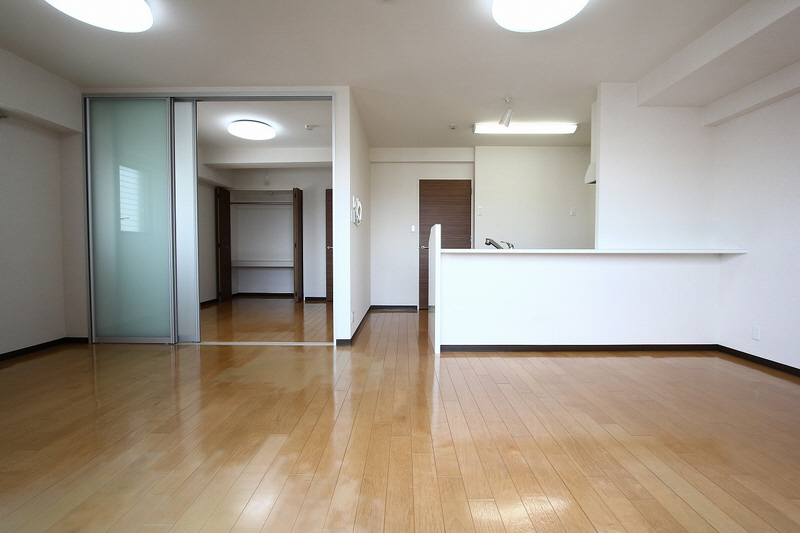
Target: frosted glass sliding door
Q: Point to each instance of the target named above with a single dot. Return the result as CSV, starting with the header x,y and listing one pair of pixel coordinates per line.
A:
x,y
130,210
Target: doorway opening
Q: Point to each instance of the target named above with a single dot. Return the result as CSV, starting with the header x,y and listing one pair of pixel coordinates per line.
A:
x,y
261,209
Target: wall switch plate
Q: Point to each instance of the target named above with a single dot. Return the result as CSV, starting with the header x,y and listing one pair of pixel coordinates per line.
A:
x,y
413,228
756,332
480,211
573,211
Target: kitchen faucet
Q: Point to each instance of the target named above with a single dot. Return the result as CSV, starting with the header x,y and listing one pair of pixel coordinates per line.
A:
x,y
492,242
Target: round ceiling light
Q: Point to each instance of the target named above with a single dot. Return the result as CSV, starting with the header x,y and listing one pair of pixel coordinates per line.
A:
x,y
534,15
127,16
252,130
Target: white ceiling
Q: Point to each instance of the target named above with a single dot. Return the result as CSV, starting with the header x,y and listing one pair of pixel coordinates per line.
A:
x,y
415,66
293,146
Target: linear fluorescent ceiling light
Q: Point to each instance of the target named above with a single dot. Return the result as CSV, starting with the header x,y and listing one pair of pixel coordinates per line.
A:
x,y
127,16
252,130
534,15
526,128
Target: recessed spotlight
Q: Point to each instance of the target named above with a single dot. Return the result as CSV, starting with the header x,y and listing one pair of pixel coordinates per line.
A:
x,y
534,15
127,16
526,128
251,130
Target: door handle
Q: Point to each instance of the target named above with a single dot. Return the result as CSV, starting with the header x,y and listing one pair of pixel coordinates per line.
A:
x,y
329,247
423,247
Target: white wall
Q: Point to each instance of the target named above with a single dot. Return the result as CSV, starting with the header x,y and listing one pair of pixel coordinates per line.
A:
x,y
220,177
342,290
73,236
39,96
43,273
31,264
263,233
207,237
665,181
524,195
313,182
654,182
394,209
360,268
757,180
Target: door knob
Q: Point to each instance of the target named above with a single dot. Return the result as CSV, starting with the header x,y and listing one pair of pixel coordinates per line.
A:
x,y
423,247
329,247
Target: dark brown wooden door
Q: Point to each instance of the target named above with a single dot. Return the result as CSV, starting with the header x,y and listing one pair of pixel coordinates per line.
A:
x,y
224,289
449,203
297,199
329,245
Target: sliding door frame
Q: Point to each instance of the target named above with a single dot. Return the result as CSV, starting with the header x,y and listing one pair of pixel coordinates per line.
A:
x,y
185,235
171,98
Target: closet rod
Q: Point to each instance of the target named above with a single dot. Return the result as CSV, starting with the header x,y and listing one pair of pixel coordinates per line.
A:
x,y
262,203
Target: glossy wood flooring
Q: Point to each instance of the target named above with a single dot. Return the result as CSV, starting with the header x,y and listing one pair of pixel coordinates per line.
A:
x,y
253,319
384,436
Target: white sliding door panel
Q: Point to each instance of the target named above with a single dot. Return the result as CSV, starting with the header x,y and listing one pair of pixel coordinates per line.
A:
x,y
186,242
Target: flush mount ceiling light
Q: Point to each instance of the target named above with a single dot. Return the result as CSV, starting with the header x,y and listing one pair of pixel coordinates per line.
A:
x,y
127,16
252,130
534,15
526,128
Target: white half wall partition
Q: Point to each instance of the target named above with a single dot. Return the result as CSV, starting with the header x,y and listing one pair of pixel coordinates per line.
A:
x,y
435,285
530,298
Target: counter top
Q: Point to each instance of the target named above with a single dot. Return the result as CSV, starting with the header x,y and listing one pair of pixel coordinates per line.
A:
x,y
585,251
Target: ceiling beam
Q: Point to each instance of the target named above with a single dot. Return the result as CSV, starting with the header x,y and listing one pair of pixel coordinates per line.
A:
x,y
773,88
751,19
266,157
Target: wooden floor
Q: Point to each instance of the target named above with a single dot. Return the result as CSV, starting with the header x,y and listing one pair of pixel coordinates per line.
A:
x,y
384,436
253,319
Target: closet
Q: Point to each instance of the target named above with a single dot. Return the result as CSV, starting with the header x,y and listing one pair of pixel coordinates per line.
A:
x,y
260,235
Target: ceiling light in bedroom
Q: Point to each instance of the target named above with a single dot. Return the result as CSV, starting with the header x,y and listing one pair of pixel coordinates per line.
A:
x,y
252,130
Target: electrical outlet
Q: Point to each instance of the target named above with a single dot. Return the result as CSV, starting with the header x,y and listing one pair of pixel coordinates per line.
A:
x,y
352,317
756,332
